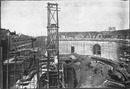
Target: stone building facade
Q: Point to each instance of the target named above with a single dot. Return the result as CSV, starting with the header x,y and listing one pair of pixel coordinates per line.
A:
x,y
104,44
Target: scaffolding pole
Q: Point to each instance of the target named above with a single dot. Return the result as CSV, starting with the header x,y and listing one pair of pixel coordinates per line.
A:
x,y
7,76
1,68
1,64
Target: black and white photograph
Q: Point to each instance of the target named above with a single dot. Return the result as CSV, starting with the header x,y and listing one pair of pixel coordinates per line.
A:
x,y
64,44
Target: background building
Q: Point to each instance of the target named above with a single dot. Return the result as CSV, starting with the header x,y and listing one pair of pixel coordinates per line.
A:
x,y
11,42
105,44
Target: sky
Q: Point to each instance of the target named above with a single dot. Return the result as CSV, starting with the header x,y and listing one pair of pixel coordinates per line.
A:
x,y
30,17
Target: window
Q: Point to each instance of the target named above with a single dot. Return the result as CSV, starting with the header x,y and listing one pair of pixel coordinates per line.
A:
x,y
72,49
118,36
126,37
96,49
14,40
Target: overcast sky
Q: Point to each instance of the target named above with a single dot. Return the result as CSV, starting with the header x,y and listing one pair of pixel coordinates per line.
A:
x,y
30,17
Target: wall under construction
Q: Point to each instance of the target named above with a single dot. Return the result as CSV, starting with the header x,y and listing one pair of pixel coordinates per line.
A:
x,y
108,49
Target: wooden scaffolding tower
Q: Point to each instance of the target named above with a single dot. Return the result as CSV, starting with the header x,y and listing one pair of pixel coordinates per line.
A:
x,y
53,45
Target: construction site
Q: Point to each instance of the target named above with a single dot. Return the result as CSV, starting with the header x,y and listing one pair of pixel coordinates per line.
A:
x,y
64,59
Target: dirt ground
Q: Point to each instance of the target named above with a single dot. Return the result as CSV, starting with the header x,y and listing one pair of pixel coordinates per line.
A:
x,y
89,74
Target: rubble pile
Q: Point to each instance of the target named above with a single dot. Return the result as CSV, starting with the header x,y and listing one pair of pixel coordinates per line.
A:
x,y
94,73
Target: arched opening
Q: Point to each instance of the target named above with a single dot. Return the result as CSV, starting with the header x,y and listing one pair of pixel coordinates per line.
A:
x,y
97,49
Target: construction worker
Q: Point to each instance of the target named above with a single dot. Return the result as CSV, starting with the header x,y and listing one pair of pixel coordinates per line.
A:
x,y
55,62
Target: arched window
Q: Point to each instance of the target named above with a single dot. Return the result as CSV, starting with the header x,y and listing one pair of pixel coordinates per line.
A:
x,y
97,49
